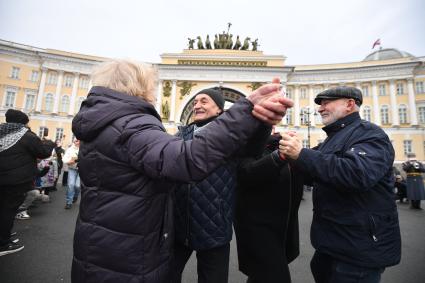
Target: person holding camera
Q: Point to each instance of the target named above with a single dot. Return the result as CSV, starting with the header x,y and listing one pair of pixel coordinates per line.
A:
x,y
71,159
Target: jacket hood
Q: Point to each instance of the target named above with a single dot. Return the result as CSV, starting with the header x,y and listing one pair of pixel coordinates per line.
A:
x,y
102,107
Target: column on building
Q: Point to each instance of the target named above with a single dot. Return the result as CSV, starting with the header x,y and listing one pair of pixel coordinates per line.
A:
x,y
393,101
58,92
311,104
41,89
73,94
376,116
159,98
173,101
284,122
297,106
412,103
359,87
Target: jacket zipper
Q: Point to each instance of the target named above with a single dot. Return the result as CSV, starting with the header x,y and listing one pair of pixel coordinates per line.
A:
x,y
375,239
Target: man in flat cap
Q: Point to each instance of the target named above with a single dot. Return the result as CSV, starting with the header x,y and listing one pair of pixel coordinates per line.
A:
x,y
19,150
204,210
355,228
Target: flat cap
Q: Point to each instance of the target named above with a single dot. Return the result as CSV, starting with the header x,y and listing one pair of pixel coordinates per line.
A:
x,y
16,116
340,92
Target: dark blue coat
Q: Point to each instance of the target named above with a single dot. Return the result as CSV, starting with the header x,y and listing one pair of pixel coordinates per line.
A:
x,y
355,216
129,166
204,210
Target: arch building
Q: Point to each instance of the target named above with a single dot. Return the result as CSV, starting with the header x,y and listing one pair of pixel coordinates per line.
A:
x,y
50,85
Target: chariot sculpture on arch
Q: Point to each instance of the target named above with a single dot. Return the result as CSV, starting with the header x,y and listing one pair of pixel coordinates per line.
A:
x,y
223,40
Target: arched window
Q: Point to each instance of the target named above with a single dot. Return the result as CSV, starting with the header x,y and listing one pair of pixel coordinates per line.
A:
x,y
384,115
48,102
65,103
366,113
402,114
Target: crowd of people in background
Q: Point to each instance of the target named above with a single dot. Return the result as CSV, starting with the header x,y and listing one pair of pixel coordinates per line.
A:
x,y
150,199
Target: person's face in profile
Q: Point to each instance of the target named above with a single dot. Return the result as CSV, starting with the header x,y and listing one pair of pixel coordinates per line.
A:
x,y
204,107
332,110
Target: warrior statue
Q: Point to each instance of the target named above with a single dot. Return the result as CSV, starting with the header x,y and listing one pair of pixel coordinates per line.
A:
x,y
229,42
237,44
216,42
200,44
246,44
191,41
254,44
208,42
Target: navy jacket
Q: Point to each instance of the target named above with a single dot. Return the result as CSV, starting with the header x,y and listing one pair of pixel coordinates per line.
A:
x,y
355,216
128,166
204,210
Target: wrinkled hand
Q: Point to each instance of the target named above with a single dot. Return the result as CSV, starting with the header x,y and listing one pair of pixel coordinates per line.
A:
x,y
269,105
290,146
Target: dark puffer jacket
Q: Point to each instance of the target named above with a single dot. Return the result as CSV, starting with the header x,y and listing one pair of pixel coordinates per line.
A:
x,y
204,210
19,150
128,166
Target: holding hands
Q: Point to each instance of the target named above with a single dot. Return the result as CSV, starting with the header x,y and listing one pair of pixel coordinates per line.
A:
x,y
290,146
269,104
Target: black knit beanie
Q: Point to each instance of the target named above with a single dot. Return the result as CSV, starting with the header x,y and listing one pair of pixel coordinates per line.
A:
x,y
216,95
16,116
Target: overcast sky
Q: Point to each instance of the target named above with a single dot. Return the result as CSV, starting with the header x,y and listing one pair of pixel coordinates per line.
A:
x,y
306,32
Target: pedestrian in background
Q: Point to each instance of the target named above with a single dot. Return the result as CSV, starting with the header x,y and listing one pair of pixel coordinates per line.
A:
x,y
414,181
355,228
73,183
19,150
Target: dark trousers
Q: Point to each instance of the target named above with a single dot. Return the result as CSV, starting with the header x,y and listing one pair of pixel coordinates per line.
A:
x,y
10,200
326,269
213,264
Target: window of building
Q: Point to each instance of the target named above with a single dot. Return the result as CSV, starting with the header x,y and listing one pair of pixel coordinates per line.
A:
x,y
400,89
316,91
382,90
34,76
29,101
366,113
289,93
84,82
288,116
59,134
305,143
14,73
10,96
407,146
41,132
304,116
52,78
365,90
65,103
303,93
402,114
420,87
421,114
68,81
384,115
48,102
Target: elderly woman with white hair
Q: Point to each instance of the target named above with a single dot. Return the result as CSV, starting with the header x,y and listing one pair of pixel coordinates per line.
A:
x,y
129,166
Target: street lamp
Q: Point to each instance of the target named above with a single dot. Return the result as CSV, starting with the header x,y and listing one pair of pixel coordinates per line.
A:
x,y
306,114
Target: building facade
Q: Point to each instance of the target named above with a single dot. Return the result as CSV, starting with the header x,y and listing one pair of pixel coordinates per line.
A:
x,y
50,86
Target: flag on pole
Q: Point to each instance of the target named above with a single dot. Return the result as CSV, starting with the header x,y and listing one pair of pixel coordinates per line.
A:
x,y
377,42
